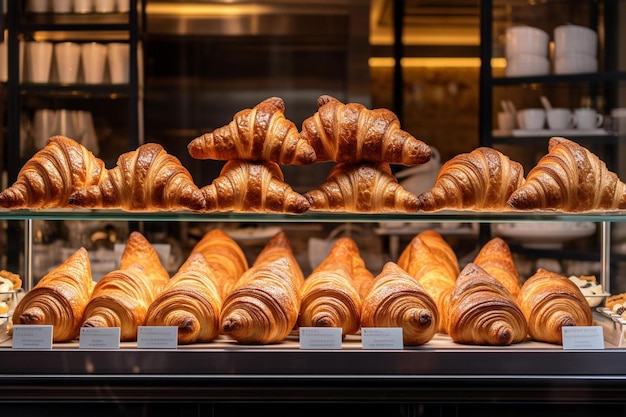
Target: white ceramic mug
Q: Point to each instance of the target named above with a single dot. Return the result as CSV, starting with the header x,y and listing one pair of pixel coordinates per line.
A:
x,y
61,6
506,121
39,58
587,118
94,62
67,56
123,6
119,58
104,6
534,119
38,6
45,122
83,6
559,118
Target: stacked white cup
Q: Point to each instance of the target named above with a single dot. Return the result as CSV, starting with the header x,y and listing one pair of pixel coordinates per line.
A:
x,y
526,51
575,50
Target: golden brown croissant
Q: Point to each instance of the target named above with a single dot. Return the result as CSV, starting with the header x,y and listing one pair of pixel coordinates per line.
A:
x,y
549,302
572,179
397,300
352,133
190,301
59,298
146,179
496,259
263,308
482,179
362,188
225,258
483,312
253,186
138,250
329,296
121,299
49,178
260,133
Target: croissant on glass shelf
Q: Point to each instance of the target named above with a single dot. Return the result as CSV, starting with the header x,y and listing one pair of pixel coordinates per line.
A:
x,y
146,179
549,302
352,133
260,133
59,298
483,312
482,179
264,305
191,302
254,186
139,250
569,178
48,179
365,188
496,259
396,299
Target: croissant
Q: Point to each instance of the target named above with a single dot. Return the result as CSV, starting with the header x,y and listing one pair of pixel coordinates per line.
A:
x,y
190,301
224,257
329,295
549,302
49,178
496,259
482,179
138,250
121,299
146,179
253,186
572,179
263,307
397,300
483,312
362,188
59,298
352,133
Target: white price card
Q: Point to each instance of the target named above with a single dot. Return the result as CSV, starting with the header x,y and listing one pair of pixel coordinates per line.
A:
x,y
99,338
320,338
157,337
32,336
382,338
583,337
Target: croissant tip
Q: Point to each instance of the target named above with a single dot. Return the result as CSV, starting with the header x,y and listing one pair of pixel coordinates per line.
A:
x,y
230,325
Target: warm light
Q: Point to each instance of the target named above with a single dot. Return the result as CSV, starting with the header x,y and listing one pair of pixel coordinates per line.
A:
x,y
417,62
199,10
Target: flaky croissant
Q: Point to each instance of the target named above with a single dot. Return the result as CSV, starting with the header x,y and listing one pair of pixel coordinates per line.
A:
x,y
59,298
569,178
256,186
483,312
121,299
263,307
190,301
482,179
549,302
329,295
352,133
367,188
496,259
225,258
139,250
146,179
260,133
49,178
397,300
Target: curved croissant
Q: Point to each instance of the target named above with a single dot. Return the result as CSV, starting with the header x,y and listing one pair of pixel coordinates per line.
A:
x,y
49,178
138,250
572,179
190,301
482,179
352,133
253,186
329,296
483,312
397,300
263,307
496,259
146,179
225,258
121,299
367,188
59,298
549,302
260,133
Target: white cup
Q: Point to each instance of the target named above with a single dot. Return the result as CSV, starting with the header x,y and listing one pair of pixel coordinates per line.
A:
x,y
44,125
65,124
119,62
67,56
104,6
559,118
61,6
506,121
83,6
39,57
534,119
587,118
94,59
38,6
123,6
